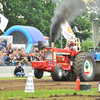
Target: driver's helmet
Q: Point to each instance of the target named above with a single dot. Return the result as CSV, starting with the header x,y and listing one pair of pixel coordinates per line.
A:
x,y
71,43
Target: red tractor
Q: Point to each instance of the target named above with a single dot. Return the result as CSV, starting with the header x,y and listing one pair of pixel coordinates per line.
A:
x,y
62,62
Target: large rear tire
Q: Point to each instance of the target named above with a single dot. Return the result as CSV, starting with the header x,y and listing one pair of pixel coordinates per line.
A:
x,y
57,73
84,66
38,74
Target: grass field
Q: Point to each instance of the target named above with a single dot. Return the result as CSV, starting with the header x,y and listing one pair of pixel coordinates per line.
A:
x,y
44,93
17,95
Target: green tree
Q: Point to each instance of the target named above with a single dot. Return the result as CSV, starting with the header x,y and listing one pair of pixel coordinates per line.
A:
x,y
58,42
36,13
84,26
86,44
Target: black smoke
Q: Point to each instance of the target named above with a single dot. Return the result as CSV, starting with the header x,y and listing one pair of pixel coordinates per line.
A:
x,y
66,10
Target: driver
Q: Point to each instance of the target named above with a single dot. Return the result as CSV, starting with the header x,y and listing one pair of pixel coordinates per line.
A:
x,y
73,49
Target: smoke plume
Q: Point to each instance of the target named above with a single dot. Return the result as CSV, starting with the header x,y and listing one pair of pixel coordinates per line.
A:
x,y
66,10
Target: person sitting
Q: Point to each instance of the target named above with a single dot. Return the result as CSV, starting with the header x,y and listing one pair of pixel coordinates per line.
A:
x,y
24,61
22,55
1,45
42,56
10,51
14,55
33,57
7,50
9,46
2,60
4,50
13,62
18,59
40,53
37,57
21,50
9,59
5,56
29,57
19,71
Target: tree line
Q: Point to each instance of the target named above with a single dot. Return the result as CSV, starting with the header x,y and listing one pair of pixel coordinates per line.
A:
x,y
38,13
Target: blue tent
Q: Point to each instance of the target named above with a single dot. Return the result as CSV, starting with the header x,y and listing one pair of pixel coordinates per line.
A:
x,y
25,35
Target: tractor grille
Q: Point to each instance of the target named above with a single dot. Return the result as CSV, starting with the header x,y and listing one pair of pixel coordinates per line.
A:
x,y
48,54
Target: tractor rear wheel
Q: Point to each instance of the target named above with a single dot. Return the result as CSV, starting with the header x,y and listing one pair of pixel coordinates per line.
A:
x,y
57,73
38,74
84,66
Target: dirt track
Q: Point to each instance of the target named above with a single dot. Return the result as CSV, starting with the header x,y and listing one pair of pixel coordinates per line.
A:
x,y
19,84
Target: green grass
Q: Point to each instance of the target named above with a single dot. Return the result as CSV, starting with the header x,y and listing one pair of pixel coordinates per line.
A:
x,y
7,78
44,93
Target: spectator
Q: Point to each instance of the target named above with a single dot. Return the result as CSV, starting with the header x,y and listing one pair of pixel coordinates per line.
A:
x,y
11,57
42,56
7,50
40,53
19,71
29,57
9,60
5,57
33,57
37,57
1,45
3,54
17,51
9,46
2,60
14,55
25,54
24,61
4,50
21,50
10,51
18,58
13,61
22,55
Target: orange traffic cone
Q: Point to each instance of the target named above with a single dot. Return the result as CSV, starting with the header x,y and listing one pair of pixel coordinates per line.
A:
x,y
77,84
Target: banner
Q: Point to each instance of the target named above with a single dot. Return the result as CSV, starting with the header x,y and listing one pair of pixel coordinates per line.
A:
x,y
67,31
3,22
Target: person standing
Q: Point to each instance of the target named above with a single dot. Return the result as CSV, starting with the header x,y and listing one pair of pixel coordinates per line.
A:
x,y
19,71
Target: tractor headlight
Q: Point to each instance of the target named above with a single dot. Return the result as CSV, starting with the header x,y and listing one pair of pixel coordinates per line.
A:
x,y
45,49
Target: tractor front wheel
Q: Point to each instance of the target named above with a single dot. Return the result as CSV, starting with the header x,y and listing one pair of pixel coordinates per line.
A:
x,y
57,73
38,73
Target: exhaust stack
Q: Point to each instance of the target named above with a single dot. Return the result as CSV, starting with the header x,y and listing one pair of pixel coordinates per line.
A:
x,y
52,44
